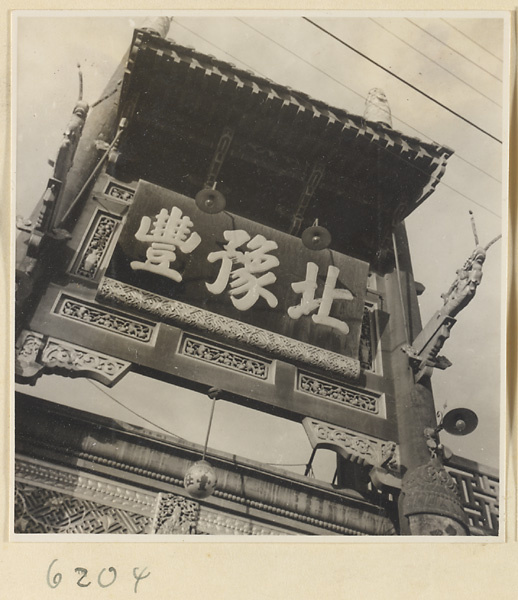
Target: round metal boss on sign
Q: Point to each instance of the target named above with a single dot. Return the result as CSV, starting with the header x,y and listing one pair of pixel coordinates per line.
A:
x,y
200,480
210,201
316,238
460,421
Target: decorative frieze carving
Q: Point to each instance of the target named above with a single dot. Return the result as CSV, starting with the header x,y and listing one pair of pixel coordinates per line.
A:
x,y
178,313
211,522
76,309
176,515
41,510
120,192
358,399
352,445
85,486
36,352
238,498
95,245
223,357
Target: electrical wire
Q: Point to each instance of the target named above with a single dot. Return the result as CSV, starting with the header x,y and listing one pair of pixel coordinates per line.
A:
x,y
434,61
453,49
410,85
360,95
134,412
176,22
471,39
394,116
304,60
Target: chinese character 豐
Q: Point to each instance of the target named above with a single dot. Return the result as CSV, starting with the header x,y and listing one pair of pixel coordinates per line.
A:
x,y
309,303
166,234
245,286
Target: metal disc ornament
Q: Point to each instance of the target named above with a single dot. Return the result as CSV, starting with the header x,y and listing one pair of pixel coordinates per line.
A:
x,y
316,237
210,201
460,421
200,480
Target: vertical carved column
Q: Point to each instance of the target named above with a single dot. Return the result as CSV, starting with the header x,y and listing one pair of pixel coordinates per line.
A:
x,y
428,504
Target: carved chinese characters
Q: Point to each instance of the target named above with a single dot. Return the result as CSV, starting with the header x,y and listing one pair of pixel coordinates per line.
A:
x,y
245,286
166,234
309,303
239,269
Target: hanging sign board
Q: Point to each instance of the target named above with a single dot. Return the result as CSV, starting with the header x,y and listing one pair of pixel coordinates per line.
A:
x,y
241,270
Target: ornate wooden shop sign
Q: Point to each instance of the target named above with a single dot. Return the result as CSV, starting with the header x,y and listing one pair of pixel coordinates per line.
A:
x,y
234,279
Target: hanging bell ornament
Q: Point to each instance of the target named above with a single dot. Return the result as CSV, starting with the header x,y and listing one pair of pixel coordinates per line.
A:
x,y
210,201
200,480
316,238
460,421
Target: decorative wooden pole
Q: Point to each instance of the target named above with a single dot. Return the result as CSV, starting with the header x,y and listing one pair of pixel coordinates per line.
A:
x,y
429,502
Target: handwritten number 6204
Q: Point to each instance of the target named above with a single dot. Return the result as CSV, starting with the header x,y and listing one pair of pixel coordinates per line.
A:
x,y
103,580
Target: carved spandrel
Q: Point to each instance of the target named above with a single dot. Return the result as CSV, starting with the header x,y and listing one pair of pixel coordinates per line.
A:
x,y
37,354
352,445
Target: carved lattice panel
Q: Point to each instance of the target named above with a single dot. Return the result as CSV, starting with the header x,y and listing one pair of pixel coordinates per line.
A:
x,y
176,515
120,192
363,400
366,341
479,493
97,316
96,244
40,510
225,357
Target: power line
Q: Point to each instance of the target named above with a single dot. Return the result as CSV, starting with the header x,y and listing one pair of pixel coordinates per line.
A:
x,y
176,22
421,133
132,411
471,39
415,88
475,167
453,49
439,180
360,95
434,61
382,147
304,60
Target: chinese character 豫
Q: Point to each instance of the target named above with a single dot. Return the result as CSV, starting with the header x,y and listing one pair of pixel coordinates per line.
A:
x,y
245,286
309,303
166,234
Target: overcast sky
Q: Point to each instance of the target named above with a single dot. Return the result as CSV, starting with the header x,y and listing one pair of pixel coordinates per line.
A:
x,y
458,62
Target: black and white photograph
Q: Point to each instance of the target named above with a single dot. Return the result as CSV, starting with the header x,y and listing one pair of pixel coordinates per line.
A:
x,y
260,275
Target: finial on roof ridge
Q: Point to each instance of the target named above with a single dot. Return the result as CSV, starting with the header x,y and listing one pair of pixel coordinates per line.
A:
x,y
377,108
